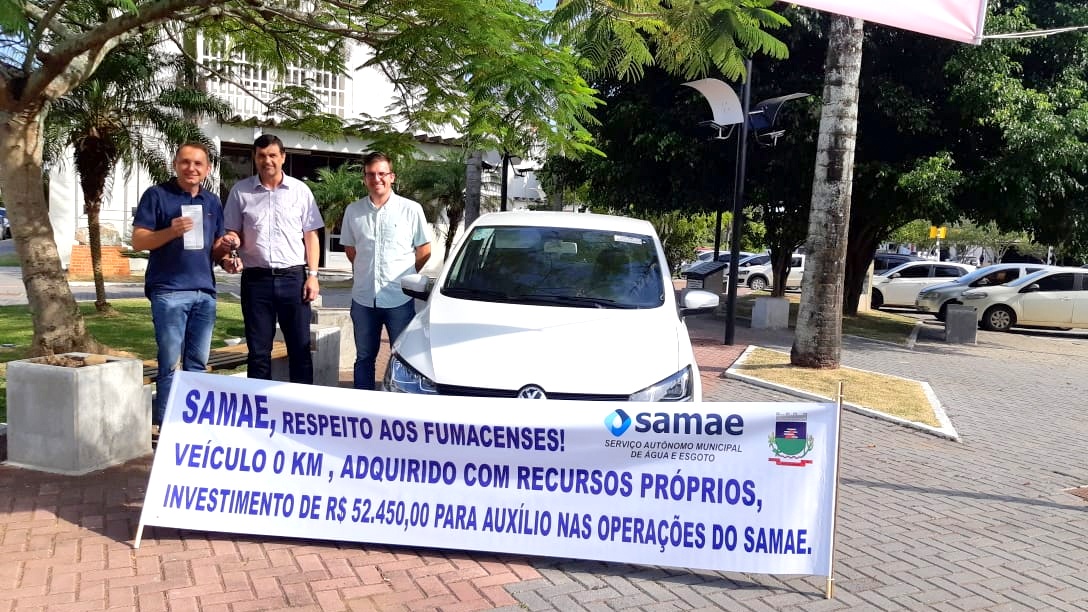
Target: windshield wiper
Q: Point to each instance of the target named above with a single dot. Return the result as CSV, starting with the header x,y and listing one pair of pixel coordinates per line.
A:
x,y
475,294
577,301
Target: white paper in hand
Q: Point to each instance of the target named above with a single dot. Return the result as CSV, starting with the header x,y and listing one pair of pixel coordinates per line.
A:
x,y
194,238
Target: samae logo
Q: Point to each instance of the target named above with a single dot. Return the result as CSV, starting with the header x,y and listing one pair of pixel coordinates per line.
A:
x,y
618,422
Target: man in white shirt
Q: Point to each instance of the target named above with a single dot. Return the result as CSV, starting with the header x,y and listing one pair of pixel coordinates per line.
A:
x,y
385,239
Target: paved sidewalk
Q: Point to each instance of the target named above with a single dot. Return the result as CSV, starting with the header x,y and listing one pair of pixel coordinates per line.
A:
x,y
923,523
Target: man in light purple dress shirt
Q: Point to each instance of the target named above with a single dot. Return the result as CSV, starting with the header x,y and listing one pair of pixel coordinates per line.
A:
x,y
276,219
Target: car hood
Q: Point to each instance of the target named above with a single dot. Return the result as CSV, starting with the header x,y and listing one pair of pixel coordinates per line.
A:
x,y
563,350
946,288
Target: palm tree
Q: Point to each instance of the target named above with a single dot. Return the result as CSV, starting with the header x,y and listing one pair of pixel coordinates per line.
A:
x,y
439,185
818,338
335,188
126,113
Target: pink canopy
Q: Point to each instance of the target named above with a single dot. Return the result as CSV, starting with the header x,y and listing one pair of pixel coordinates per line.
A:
x,y
956,19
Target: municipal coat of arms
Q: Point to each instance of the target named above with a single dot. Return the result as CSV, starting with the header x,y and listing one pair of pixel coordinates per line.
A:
x,y
790,441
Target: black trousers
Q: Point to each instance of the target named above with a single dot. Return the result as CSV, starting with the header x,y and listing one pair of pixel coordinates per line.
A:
x,y
268,295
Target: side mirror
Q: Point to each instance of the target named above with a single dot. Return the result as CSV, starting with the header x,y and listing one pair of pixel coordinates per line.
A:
x,y
896,275
1031,288
417,286
697,301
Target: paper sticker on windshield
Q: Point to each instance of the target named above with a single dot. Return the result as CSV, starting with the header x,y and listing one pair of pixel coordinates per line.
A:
x,y
483,233
627,239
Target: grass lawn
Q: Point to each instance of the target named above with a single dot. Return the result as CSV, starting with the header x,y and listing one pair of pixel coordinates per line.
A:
x,y
129,331
889,394
875,324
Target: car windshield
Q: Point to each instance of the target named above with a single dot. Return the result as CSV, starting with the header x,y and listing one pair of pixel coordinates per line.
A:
x,y
971,277
557,266
1027,280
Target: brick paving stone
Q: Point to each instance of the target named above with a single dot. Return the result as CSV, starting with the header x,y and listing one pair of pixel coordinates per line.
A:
x,y
924,524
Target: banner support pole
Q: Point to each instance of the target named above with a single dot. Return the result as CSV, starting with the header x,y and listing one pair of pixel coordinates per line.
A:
x,y
830,585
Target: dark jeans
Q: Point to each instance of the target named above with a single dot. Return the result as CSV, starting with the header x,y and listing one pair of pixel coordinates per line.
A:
x,y
269,295
367,322
183,330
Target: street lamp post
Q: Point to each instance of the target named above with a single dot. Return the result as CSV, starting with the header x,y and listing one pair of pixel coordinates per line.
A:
x,y
727,111
738,207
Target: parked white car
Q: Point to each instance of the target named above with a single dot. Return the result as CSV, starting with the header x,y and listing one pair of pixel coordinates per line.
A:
x,y
761,276
1053,297
936,298
548,305
900,285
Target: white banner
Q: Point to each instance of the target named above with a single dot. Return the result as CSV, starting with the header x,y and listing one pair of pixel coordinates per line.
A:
x,y
726,486
960,20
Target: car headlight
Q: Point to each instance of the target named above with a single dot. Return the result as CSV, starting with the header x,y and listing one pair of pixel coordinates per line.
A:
x,y
679,387
403,378
974,296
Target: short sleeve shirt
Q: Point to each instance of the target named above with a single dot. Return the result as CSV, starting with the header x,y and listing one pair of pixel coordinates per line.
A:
x,y
172,267
385,239
272,222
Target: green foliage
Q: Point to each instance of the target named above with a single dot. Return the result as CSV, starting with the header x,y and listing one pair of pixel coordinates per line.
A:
x,y
335,188
680,233
126,114
990,237
689,38
439,186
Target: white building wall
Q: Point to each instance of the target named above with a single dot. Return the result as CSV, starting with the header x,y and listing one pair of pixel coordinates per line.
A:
x,y
365,91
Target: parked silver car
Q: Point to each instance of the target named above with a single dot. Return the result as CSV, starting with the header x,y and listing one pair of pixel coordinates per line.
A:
x,y
1052,297
936,298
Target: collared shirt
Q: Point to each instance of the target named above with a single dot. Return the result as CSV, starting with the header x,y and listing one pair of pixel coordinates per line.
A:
x,y
172,267
272,222
385,240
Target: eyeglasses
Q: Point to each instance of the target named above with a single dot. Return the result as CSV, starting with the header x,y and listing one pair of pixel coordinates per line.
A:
x,y
371,176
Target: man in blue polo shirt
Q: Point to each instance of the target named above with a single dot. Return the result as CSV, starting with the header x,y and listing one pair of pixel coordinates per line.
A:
x,y
181,224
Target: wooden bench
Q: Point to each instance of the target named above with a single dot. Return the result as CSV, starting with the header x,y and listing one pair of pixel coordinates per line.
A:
x,y
225,358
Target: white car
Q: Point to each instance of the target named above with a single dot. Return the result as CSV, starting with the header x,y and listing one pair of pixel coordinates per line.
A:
x,y
900,285
1053,297
759,276
936,298
549,305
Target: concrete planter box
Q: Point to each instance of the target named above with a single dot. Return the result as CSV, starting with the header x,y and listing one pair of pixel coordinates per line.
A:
x,y
74,420
771,313
324,351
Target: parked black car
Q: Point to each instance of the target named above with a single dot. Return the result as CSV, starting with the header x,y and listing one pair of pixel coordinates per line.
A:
x,y
887,261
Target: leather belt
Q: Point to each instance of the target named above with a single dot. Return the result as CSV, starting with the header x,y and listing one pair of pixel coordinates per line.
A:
x,y
261,272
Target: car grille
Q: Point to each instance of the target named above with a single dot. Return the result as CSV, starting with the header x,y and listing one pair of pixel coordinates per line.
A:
x,y
483,392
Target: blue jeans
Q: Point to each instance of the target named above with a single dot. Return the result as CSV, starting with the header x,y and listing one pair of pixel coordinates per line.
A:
x,y
183,330
268,296
367,322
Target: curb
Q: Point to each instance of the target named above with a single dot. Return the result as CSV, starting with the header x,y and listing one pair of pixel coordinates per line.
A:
x,y
946,430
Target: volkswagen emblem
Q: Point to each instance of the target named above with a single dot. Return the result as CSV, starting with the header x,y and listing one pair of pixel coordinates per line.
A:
x,y
532,392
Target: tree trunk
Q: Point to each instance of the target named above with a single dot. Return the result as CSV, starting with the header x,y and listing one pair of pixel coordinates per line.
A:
x,y
94,236
818,339
58,324
863,242
454,214
474,170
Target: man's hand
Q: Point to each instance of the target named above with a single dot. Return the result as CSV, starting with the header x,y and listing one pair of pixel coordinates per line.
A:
x,y
180,225
232,263
311,289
